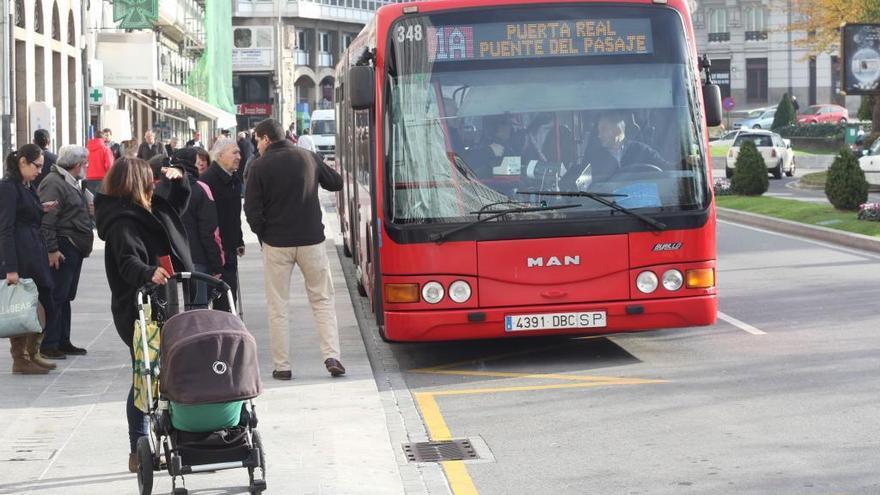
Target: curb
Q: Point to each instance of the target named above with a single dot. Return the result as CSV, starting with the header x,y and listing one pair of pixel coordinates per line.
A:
x,y
815,232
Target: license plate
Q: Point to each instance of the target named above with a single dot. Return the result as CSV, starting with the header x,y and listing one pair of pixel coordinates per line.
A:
x,y
555,321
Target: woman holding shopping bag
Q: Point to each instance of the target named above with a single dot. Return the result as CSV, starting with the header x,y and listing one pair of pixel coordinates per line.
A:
x,y
23,251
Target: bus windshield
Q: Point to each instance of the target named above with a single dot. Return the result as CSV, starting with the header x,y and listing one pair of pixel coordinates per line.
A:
x,y
586,98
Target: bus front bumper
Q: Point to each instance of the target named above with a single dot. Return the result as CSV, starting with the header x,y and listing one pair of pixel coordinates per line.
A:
x,y
489,323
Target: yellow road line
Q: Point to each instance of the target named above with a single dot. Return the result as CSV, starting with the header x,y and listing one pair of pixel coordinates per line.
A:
x,y
437,429
472,391
459,479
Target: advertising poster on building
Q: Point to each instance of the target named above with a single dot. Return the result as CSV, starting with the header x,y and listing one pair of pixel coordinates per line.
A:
x,y
252,48
861,59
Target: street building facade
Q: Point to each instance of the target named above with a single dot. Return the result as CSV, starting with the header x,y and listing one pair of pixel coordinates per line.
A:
x,y
284,54
756,59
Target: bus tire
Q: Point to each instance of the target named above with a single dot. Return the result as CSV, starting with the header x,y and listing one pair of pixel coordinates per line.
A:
x,y
361,290
345,250
383,336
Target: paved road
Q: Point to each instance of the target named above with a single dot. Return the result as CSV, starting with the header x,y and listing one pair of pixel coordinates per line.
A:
x,y
779,397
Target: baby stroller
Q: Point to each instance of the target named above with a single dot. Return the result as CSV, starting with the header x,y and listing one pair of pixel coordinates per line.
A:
x,y
203,418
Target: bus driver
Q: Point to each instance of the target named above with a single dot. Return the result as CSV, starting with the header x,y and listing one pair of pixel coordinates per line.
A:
x,y
609,151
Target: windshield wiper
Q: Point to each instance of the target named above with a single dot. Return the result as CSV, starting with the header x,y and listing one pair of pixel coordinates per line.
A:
x,y
601,198
439,237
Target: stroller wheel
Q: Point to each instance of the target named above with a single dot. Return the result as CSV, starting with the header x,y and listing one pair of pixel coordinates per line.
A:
x,y
257,486
145,466
258,444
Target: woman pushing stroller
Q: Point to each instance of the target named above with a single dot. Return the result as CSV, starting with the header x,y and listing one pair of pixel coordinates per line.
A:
x,y
140,222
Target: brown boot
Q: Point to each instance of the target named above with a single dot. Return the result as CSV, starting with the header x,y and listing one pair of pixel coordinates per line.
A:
x,y
33,350
21,363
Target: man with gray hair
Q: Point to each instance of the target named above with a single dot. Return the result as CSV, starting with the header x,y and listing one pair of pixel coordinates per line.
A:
x,y
67,229
150,148
225,183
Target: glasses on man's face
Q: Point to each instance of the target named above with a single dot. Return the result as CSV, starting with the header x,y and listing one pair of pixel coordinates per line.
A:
x,y
38,165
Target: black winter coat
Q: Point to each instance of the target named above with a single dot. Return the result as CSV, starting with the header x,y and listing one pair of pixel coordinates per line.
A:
x,y
226,189
22,248
281,202
200,220
135,239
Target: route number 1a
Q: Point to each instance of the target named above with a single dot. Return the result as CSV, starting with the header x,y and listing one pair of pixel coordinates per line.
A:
x,y
409,33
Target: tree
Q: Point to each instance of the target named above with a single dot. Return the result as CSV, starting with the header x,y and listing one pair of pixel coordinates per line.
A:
x,y
750,174
846,187
822,19
785,113
866,108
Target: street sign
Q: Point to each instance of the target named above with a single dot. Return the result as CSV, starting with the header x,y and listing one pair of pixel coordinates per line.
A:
x,y
728,103
96,96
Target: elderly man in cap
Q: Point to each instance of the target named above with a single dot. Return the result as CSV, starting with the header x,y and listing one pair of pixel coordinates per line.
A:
x,y
67,230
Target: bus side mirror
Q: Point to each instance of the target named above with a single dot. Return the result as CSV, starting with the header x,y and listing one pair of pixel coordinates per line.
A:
x,y
362,87
712,99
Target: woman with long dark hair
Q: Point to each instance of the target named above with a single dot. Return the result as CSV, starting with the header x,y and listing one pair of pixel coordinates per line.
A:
x,y
23,251
139,227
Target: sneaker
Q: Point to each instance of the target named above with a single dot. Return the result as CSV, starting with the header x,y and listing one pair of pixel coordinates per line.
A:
x,y
282,375
73,350
53,354
334,367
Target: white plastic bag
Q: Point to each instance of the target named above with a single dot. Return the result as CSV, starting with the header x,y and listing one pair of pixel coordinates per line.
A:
x,y
18,308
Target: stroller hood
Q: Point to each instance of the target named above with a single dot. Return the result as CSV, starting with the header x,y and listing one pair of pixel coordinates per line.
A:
x,y
208,356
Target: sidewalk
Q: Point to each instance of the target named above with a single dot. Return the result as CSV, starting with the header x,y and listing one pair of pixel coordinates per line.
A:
x,y
65,433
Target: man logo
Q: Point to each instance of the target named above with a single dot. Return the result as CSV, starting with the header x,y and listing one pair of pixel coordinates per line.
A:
x,y
220,367
553,261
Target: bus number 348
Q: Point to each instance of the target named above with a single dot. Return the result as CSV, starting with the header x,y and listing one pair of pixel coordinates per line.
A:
x,y
409,33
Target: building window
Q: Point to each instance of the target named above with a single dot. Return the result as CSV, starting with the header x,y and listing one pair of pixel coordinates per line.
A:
x,y
56,23
346,40
755,23
38,16
19,13
324,42
71,30
756,80
302,40
718,30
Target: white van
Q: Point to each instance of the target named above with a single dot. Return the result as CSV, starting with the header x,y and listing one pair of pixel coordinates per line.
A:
x,y
323,132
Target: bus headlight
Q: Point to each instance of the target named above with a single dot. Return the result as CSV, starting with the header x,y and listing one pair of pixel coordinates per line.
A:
x,y
646,282
460,291
432,292
672,280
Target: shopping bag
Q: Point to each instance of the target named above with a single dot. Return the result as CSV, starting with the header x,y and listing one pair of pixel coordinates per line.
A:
x,y
141,400
18,308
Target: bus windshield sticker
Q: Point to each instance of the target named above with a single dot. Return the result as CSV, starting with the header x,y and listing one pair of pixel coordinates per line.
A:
x,y
498,41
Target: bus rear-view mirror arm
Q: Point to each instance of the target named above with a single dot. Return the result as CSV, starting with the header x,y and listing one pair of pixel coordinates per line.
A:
x,y
711,93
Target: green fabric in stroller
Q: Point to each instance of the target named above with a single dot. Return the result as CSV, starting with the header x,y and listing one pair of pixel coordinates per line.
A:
x,y
202,418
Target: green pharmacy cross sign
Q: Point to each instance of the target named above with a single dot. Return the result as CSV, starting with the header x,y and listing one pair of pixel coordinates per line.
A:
x,y
135,14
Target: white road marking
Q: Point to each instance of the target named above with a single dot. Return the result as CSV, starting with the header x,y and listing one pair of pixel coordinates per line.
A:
x,y
740,324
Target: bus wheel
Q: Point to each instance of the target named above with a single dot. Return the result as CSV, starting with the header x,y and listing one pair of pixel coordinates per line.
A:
x,y
361,290
345,250
383,336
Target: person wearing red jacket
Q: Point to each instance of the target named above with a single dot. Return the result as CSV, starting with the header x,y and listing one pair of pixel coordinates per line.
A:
x,y
100,161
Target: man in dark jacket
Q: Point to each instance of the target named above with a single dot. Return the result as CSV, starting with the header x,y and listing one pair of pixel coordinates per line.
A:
x,y
610,151
67,230
200,221
115,148
245,147
42,139
225,185
282,208
150,148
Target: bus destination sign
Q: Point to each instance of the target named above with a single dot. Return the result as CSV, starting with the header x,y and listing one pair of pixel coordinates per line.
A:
x,y
497,41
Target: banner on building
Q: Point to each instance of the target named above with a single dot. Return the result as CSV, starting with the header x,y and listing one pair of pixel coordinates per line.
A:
x,y
118,50
252,48
860,50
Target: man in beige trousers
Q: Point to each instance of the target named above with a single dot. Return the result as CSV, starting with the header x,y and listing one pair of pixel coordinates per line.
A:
x,y
282,208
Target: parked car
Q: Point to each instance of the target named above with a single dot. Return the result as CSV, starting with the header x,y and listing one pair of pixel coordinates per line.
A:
x,y
762,120
777,152
870,163
725,139
823,114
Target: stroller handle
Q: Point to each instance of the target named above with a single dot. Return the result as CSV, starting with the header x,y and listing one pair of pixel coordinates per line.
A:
x,y
180,276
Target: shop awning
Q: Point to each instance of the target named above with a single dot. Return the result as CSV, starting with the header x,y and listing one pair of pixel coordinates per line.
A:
x,y
225,120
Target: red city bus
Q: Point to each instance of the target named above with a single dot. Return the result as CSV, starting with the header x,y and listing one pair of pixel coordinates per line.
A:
x,y
521,168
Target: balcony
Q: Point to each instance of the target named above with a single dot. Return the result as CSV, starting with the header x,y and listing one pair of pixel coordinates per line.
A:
x,y
182,19
325,59
756,35
301,57
719,37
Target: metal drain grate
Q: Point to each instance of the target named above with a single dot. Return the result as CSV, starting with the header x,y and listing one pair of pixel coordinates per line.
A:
x,y
452,450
